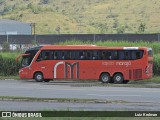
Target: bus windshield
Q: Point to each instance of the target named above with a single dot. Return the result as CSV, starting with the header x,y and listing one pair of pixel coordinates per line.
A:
x,y
28,56
26,60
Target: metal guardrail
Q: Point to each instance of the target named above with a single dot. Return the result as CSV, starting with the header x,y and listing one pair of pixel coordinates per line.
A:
x,y
55,38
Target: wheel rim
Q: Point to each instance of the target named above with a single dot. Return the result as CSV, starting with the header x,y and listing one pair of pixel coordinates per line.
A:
x,y
39,77
118,78
105,78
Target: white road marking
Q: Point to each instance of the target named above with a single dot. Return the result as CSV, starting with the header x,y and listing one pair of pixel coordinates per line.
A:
x,y
114,95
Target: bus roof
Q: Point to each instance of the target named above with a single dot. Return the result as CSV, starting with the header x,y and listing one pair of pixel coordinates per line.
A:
x,y
88,47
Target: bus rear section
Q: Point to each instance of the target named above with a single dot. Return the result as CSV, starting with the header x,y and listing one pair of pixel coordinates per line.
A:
x,y
142,64
149,67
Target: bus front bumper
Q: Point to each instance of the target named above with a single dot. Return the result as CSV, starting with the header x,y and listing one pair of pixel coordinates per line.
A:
x,y
23,74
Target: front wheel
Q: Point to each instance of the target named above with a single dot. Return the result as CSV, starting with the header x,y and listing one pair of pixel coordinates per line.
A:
x,y
118,78
38,77
105,78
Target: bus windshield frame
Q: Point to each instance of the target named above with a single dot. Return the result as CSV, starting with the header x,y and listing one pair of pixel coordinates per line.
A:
x,y
28,56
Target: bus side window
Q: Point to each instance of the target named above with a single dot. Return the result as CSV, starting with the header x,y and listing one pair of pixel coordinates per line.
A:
x,y
68,55
55,55
59,55
46,55
88,55
76,55
52,55
71,54
81,55
108,55
127,55
121,55
114,55
94,55
138,54
133,55
103,55
39,57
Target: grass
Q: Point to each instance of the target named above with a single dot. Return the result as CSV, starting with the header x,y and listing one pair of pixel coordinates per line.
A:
x,y
10,54
67,100
43,99
155,79
9,77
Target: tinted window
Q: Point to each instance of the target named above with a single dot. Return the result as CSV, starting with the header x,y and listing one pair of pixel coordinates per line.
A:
x,y
25,61
90,55
45,55
125,55
137,54
106,55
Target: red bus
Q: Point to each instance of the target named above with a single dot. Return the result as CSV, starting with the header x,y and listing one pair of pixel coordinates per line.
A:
x,y
87,62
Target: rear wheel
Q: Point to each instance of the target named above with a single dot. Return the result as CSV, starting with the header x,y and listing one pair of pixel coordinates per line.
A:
x,y
118,78
105,78
38,77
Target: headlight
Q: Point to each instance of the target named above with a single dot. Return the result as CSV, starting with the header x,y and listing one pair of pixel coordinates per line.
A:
x,y
20,71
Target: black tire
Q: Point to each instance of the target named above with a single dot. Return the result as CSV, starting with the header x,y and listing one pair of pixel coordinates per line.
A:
x,y
46,80
38,77
118,78
125,81
105,78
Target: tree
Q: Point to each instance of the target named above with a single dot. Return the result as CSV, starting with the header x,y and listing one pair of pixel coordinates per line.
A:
x,y
58,29
7,8
2,2
116,23
120,29
5,46
103,28
141,28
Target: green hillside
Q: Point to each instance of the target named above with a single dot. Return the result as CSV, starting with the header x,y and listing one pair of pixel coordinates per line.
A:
x,y
85,16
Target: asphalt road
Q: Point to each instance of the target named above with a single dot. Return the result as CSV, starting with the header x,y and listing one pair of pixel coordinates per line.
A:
x,y
135,98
